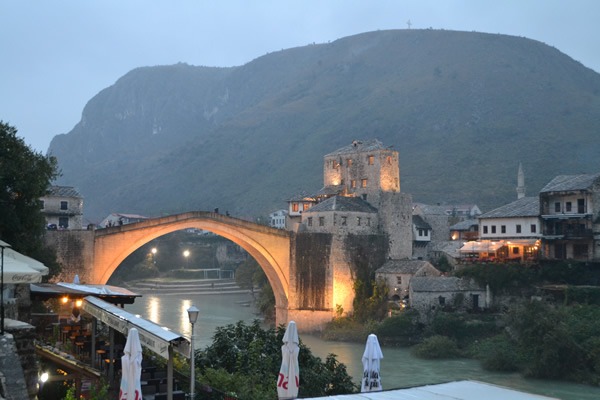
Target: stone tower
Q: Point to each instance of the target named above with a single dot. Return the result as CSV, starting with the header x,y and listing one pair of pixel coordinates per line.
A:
x,y
520,183
371,171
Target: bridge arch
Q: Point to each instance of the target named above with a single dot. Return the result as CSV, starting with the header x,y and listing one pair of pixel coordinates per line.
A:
x,y
270,247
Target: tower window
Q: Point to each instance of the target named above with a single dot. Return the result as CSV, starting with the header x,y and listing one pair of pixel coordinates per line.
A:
x,y
321,221
349,162
371,160
363,183
295,207
353,184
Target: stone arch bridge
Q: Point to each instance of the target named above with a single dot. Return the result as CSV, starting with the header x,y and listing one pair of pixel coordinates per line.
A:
x,y
305,295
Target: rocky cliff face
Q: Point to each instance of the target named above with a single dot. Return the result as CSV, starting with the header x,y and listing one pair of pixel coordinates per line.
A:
x,y
462,108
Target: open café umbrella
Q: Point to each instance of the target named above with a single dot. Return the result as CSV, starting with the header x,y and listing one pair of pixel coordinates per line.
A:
x,y
289,379
131,368
371,381
15,271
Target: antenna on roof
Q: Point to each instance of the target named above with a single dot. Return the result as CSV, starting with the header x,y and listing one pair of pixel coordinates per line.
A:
x,y
409,24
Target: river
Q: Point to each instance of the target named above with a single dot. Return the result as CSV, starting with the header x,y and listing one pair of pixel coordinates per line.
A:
x,y
398,368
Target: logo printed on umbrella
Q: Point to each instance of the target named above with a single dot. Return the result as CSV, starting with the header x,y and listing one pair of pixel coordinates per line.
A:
x,y
284,380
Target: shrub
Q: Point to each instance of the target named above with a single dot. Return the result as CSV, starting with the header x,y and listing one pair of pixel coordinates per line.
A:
x,y
498,353
403,329
436,347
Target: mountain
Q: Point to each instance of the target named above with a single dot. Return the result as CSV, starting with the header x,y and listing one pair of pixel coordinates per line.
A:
x,y
462,109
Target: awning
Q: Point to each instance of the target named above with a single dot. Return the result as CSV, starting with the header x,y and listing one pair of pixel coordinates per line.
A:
x,y
111,294
484,246
523,242
152,336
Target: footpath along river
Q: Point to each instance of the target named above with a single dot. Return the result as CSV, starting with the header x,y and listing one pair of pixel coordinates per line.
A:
x,y
398,368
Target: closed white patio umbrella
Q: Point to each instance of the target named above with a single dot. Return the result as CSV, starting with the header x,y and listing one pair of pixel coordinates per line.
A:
x,y
371,359
288,381
131,367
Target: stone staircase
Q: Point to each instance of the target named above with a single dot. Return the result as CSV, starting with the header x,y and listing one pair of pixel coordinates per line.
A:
x,y
161,286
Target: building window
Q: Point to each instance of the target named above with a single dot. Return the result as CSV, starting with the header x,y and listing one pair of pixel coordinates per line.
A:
x,y
557,207
533,228
349,162
344,220
568,206
371,159
309,221
64,205
321,221
442,300
295,207
399,279
363,183
63,222
485,229
41,203
358,221
493,228
580,206
503,228
353,184
368,221
305,206
518,228
515,250
580,250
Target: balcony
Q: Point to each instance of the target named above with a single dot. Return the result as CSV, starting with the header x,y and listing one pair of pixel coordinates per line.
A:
x,y
567,232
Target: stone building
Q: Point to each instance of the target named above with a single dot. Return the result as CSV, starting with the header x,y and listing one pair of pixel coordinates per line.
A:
x,y
570,215
63,208
353,224
364,180
397,274
428,294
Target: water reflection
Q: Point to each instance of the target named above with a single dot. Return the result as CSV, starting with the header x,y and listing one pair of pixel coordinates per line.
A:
x,y
398,367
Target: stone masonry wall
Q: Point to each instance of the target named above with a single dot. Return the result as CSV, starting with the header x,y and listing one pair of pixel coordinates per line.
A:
x,y
395,216
75,251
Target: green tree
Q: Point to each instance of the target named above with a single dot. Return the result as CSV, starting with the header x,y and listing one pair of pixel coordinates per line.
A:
x,y
248,354
25,176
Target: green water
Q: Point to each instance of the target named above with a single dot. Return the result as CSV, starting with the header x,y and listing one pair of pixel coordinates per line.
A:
x,y
398,368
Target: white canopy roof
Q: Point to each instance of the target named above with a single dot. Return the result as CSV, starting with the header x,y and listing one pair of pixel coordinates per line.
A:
x,y
481,246
152,336
459,390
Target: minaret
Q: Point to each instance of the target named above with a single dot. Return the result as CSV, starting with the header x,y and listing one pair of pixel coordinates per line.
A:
x,y
520,183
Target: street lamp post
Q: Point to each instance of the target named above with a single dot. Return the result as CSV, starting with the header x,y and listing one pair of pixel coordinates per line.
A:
x,y
153,251
193,316
186,254
3,245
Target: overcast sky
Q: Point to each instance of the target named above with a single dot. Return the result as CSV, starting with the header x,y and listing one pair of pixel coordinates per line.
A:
x,y
56,55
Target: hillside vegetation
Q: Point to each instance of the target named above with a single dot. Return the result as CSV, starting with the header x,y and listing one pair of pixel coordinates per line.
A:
x,y
462,108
